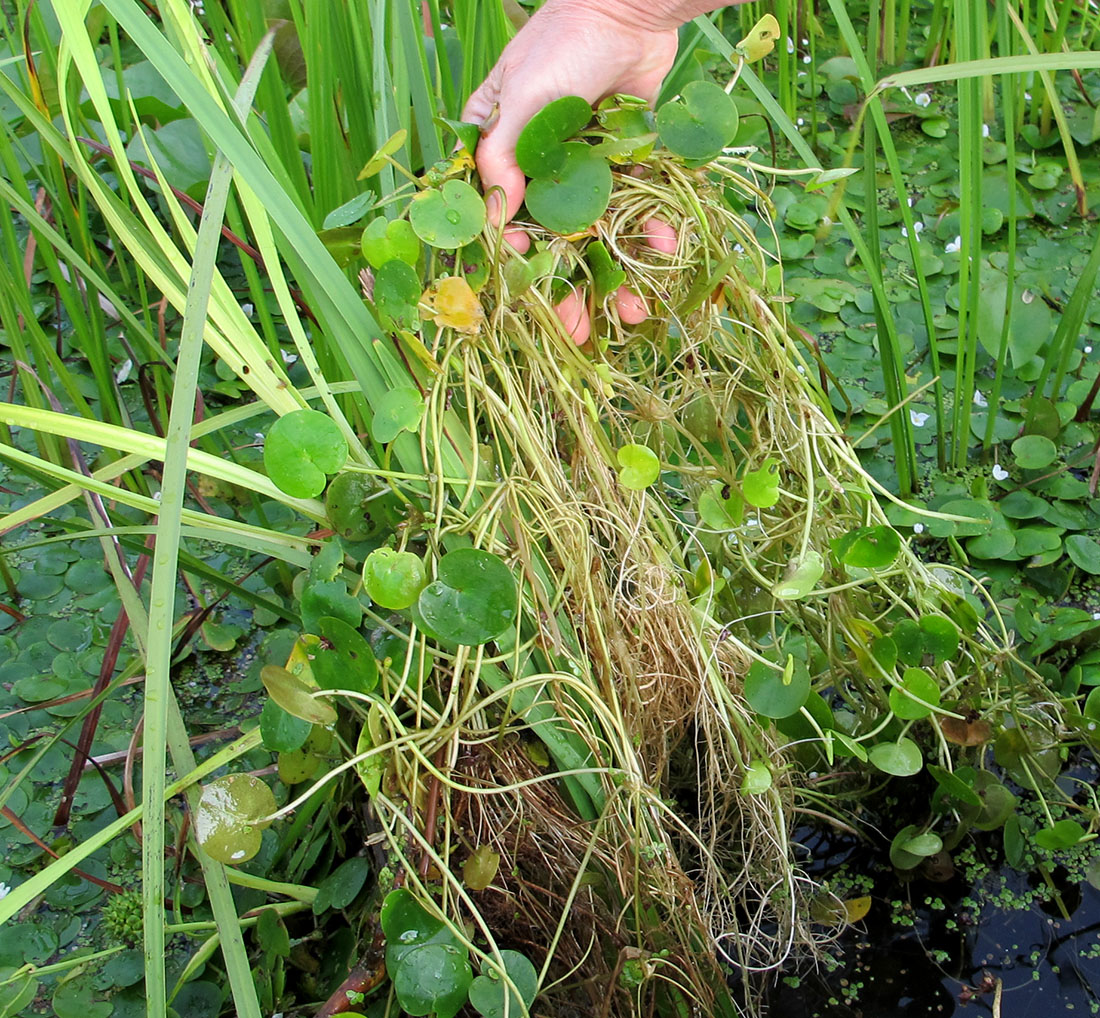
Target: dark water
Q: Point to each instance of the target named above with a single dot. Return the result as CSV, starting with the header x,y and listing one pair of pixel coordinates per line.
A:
x,y
952,957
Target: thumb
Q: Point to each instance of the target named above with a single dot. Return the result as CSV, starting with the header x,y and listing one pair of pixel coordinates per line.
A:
x,y
496,151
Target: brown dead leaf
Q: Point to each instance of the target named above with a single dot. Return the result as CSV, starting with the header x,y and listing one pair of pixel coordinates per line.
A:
x,y
965,731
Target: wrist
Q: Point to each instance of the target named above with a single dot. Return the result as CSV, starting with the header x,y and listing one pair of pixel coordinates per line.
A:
x,y
657,15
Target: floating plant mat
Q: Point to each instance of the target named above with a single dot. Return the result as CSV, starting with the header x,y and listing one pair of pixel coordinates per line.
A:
x,y
641,608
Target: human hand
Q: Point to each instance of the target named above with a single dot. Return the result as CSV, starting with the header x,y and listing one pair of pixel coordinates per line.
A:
x,y
569,47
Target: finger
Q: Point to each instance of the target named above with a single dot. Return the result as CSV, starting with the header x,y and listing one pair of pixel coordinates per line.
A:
x,y
573,312
632,307
518,240
660,236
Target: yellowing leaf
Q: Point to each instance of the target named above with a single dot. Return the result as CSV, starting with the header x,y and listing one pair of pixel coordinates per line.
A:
x,y
856,908
451,303
480,869
382,156
761,39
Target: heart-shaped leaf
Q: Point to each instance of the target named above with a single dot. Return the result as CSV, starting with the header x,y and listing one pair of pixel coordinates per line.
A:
x,y
917,695
231,815
347,662
699,124
384,240
869,547
474,599
301,448
452,303
638,467
397,294
902,758
398,410
449,217
540,148
282,732
489,995
777,693
761,486
802,576
575,195
393,579
1033,452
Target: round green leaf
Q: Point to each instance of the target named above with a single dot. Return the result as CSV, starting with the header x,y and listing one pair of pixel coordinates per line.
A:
x,y
353,504
1033,452
232,812
448,218
802,576
301,448
699,124
282,732
774,693
347,662
488,991
398,410
540,148
871,547
433,979
1064,834
393,579
900,858
902,758
397,292
940,637
909,640
761,486
757,780
924,845
474,599
295,697
998,803
1084,553
638,467
575,195
386,239
917,695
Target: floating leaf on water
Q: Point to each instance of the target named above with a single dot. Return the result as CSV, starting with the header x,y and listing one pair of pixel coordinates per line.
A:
x,y
491,997
699,124
473,601
451,303
1033,452
393,579
231,814
540,148
899,857
1064,834
639,467
449,217
998,803
398,410
295,697
1083,552
301,448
